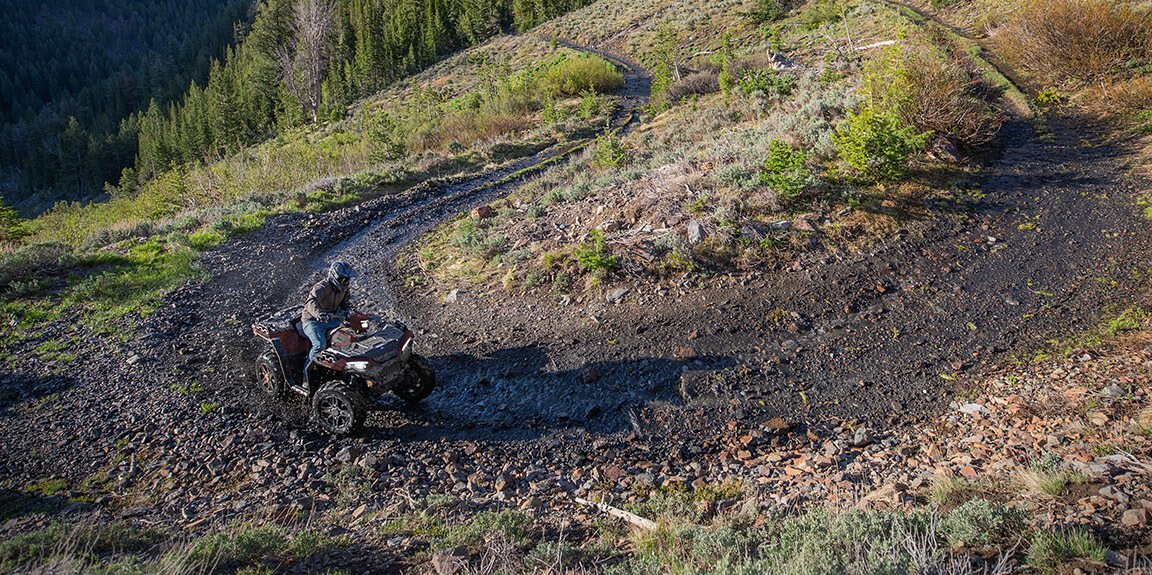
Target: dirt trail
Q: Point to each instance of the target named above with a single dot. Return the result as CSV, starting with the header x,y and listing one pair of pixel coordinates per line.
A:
x,y
1048,247
201,337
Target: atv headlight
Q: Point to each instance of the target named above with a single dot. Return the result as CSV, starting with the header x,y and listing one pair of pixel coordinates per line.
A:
x,y
360,366
406,351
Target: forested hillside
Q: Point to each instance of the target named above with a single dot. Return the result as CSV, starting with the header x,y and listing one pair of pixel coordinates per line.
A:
x,y
309,60
71,71
101,94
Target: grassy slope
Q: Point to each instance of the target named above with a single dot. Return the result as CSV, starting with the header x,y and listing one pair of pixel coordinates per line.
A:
x,y
701,160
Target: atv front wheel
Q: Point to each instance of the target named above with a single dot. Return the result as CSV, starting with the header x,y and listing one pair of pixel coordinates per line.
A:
x,y
339,409
422,382
269,375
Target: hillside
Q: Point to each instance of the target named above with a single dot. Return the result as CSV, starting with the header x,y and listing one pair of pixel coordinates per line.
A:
x,y
815,288
73,71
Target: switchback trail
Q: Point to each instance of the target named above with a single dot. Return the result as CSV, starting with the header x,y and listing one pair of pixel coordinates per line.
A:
x,y
536,389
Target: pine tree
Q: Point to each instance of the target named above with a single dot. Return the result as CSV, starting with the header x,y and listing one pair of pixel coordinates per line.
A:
x,y
11,226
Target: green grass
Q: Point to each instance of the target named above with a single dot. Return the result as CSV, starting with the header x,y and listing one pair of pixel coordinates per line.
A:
x,y
205,239
119,548
54,350
102,287
1131,319
1049,551
48,487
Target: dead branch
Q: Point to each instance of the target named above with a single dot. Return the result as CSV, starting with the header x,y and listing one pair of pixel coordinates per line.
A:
x,y
618,513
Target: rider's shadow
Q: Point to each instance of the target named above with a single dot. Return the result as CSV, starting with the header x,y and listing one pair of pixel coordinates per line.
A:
x,y
526,388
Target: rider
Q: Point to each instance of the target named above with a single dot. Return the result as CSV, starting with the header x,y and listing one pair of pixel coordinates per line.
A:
x,y
327,305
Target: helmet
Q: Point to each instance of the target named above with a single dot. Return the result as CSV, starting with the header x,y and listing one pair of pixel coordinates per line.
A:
x,y
341,270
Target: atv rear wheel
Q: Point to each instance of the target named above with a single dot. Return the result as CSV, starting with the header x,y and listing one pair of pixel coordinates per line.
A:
x,y
339,409
269,375
422,382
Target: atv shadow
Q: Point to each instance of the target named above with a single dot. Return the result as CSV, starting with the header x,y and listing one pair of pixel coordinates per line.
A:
x,y
17,389
15,504
521,391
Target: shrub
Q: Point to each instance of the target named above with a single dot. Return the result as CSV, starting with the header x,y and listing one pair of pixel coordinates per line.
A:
x,y
513,525
819,13
593,254
79,546
476,236
385,137
817,543
11,226
1079,41
696,83
590,105
930,89
569,76
768,82
33,261
769,11
786,170
610,151
980,522
876,144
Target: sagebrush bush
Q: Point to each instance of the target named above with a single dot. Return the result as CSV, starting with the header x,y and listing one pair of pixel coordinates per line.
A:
x,y
33,261
697,83
1077,41
476,236
979,522
816,543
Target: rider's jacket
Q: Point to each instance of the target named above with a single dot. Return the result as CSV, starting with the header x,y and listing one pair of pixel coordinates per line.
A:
x,y
326,297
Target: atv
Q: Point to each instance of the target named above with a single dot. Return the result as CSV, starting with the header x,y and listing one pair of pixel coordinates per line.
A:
x,y
366,357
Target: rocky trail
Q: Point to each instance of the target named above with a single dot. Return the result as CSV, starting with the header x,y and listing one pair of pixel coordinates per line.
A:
x,y
541,395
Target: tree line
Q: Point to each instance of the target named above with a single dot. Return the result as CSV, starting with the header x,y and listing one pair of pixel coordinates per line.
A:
x,y
70,72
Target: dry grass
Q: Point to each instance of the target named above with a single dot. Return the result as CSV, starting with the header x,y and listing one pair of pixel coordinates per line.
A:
x,y
1047,483
1077,41
470,129
1121,99
947,489
1144,420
